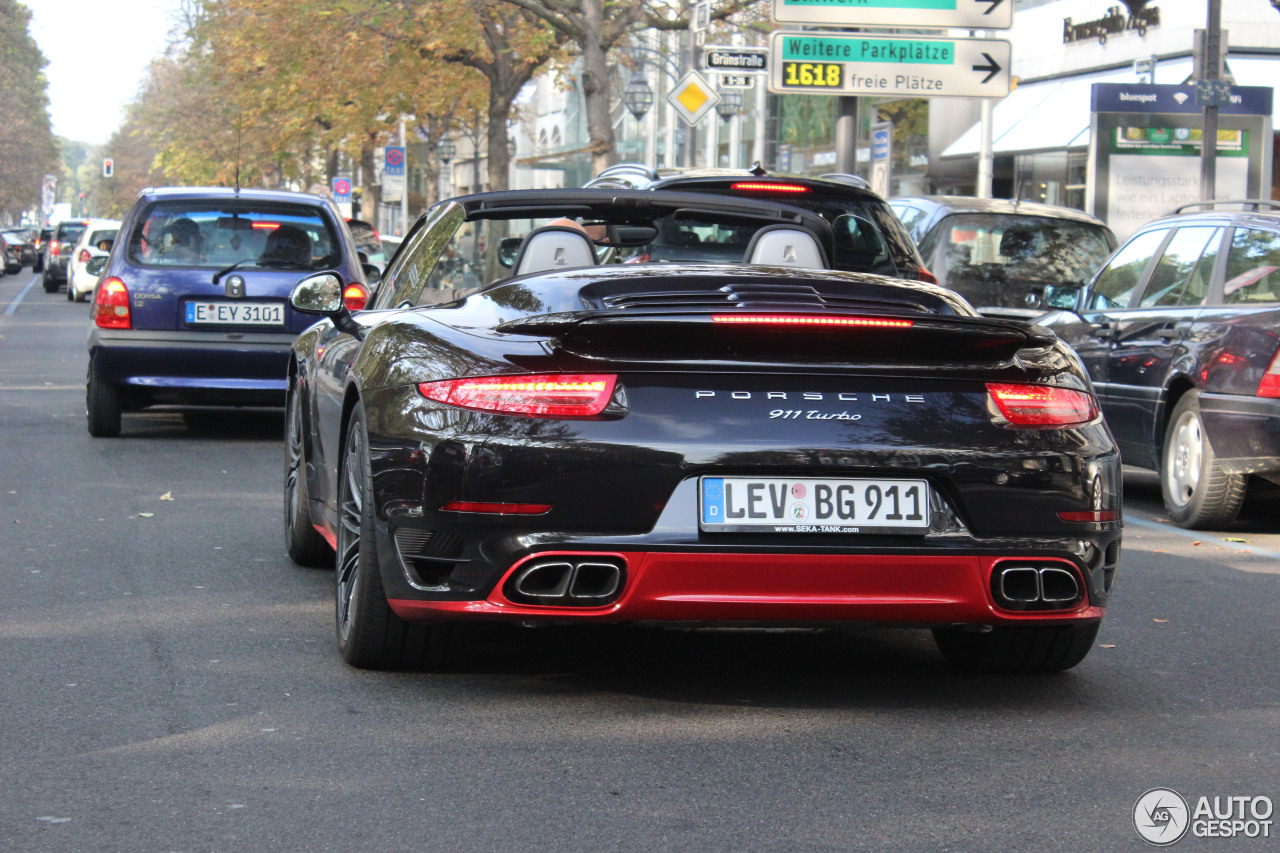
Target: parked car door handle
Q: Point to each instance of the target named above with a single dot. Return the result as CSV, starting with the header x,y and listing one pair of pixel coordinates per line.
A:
x,y
1168,334
1103,332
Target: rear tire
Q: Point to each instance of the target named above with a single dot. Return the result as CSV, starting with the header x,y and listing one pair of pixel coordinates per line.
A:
x,y
1198,494
103,406
1030,649
305,545
50,286
370,635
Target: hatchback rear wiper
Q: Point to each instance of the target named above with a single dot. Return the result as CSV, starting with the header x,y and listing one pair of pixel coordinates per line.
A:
x,y
220,273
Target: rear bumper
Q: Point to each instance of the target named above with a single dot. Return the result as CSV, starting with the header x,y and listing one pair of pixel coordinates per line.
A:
x,y
1244,431
777,588
210,367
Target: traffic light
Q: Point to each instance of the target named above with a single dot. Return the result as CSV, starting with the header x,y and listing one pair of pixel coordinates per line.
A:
x,y
108,166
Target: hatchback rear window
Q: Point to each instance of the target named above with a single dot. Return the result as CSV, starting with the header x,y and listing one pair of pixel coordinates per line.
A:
x,y
999,248
222,233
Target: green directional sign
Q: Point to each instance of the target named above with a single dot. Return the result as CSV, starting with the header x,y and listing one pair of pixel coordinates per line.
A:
x,y
818,63
919,14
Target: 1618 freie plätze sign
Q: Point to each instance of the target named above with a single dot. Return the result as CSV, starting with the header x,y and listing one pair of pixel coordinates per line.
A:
x,y
816,63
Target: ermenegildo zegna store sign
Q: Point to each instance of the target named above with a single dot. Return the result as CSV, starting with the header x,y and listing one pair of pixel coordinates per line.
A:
x,y
1114,22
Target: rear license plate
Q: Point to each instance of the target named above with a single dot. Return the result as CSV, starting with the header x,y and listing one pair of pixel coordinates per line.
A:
x,y
236,313
810,505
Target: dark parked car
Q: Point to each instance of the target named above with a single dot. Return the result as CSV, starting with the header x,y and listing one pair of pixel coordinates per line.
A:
x,y
868,236
1181,334
1001,254
19,252
553,439
193,305
58,251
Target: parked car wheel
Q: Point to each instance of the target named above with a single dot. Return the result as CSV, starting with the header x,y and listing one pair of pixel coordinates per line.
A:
x,y
305,545
370,635
102,406
1050,648
1198,494
50,285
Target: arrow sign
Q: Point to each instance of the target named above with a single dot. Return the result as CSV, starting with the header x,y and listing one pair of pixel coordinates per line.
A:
x,y
831,63
916,14
992,67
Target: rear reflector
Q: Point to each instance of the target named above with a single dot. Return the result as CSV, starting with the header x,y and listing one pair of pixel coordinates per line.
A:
x,y
111,305
760,187
568,395
496,508
1090,515
793,320
1270,384
1042,406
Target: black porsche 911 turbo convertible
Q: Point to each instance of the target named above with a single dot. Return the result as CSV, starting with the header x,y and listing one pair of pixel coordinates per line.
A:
x,y
537,420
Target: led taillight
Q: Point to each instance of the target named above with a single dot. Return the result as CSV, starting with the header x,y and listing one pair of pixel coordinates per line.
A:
x,y
355,297
1270,384
567,395
802,320
924,275
760,187
1041,405
54,249
111,305
83,257
496,508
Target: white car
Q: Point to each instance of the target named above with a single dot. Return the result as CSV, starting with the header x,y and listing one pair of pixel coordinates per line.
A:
x,y
95,242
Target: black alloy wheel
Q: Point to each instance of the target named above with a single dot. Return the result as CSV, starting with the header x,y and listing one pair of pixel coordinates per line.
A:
x,y
304,543
370,635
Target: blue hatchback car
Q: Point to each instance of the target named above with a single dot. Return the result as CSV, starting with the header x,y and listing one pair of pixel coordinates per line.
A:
x,y
192,308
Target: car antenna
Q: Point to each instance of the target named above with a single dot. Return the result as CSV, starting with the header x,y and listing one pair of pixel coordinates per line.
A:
x,y
758,170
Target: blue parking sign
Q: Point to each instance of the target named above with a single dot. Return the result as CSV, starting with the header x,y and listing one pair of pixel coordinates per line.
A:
x,y
393,160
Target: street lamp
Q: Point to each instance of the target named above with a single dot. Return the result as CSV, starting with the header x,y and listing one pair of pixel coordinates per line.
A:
x,y
446,149
730,103
638,96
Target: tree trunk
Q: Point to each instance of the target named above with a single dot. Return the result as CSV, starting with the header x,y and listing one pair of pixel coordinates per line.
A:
x,y
370,189
595,91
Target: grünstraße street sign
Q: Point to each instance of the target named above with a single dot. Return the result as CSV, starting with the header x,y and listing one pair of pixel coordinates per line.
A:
x,y
736,60
828,63
916,14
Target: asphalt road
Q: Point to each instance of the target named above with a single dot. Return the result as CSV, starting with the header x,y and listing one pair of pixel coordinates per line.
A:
x,y
170,683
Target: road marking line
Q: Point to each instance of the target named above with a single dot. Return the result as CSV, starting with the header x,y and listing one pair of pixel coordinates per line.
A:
x,y
1192,534
17,300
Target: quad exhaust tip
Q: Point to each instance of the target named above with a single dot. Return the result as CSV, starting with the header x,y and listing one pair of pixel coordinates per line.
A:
x,y
1032,587
567,583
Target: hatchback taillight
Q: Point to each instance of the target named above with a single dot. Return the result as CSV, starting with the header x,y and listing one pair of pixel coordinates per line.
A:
x,y
83,257
55,249
1041,405
355,297
111,305
550,395
1270,384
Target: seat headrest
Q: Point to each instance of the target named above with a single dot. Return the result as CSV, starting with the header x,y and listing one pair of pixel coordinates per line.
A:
x,y
786,246
554,247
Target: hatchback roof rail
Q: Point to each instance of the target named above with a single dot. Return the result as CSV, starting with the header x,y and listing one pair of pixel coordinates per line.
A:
x,y
1252,204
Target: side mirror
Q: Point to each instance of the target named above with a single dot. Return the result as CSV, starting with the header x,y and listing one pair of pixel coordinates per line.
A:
x,y
1062,297
371,273
322,294
508,248
96,266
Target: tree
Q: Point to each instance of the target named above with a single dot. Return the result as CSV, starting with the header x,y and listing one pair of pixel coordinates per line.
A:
x,y
595,28
27,148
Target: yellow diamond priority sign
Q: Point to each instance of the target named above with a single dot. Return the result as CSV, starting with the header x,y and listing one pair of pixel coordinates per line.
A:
x,y
693,97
